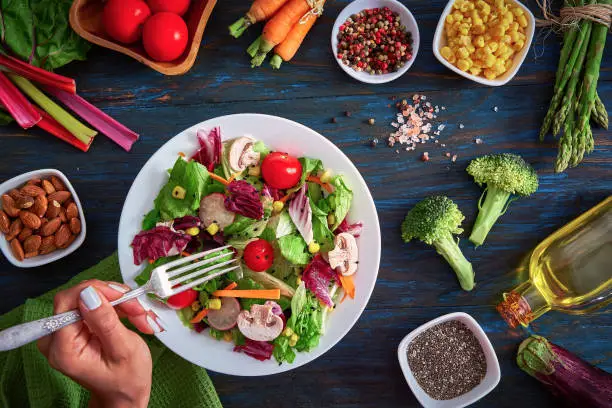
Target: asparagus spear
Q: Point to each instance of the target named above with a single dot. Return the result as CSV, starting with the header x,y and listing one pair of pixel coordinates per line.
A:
x,y
599,114
567,70
591,72
568,98
564,153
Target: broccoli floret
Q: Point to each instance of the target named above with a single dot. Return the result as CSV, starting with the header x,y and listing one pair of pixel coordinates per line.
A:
x,y
506,176
434,221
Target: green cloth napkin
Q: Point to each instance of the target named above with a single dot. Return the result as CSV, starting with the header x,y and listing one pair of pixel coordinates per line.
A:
x,y
27,380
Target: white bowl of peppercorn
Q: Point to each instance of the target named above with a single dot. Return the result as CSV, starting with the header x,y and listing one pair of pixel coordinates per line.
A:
x,y
449,362
375,41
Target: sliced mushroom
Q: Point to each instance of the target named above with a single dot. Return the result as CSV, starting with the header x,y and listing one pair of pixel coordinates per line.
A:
x,y
345,255
260,323
242,155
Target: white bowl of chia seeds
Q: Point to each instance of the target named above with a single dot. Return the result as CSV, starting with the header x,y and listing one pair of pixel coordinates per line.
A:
x,y
375,60
449,362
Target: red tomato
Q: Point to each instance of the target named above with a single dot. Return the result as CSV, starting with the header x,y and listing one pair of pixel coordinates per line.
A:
x,y
183,299
281,171
165,36
173,6
123,19
259,255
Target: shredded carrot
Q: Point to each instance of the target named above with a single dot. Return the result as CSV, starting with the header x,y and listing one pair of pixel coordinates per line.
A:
x,y
313,179
249,293
348,285
185,253
201,315
343,297
233,177
284,198
231,286
151,261
182,154
219,179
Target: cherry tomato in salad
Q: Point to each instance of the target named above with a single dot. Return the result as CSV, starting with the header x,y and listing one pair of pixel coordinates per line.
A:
x,y
281,170
165,36
123,19
173,6
183,299
259,255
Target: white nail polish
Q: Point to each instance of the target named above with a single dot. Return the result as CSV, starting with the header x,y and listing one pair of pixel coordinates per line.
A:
x,y
153,324
90,298
118,288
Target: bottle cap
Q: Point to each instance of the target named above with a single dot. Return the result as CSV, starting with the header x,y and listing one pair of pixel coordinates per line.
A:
x,y
515,310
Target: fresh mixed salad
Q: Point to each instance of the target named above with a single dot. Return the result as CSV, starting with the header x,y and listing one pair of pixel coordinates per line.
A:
x,y
284,217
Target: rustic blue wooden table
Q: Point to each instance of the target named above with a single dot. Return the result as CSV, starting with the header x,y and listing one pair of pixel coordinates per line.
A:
x,y
414,284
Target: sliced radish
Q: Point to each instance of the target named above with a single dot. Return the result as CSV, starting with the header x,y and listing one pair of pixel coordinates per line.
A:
x,y
226,317
212,209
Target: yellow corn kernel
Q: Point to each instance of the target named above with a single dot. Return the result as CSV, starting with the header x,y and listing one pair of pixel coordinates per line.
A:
x,y
255,171
464,7
449,19
193,231
477,64
295,337
500,66
475,71
464,40
457,17
509,64
471,6
331,218
326,176
214,304
458,4
498,31
213,228
463,65
179,193
278,206
479,41
489,60
227,336
489,73
517,11
514,36
313,247
509,16
452,59
522,36
292,343
522,20
287,332
468,21
463,52
508,54
298,280
464,31
478,29
477,21
470,48
502,48
499,3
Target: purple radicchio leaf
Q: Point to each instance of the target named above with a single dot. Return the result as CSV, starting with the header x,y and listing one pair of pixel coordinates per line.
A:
x,y
186,222
157,243
353,229
317,276
259,350
244,199
301,214
209,153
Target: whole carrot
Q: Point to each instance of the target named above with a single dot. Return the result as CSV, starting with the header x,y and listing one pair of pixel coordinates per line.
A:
x,y
278,27
260,10
286,50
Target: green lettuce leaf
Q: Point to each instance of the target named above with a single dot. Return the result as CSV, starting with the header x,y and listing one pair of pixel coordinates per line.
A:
x,y
261,148
39,32
309,166
185,315
282,351
294,249
191,176
151,219
320,228
340,200
245,227
308,324
247,284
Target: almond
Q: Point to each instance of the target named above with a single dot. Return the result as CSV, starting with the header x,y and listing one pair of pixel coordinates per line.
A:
x,y
48,187
34,181
47,245
9,206
58,184
62,236
40,206
69,242
5,222
50,227
17,250
32,190
72,211
32,244
14,229
24,234
15,194
68,202
54,209
31,254
59,196
75,225
24,202
62,214
30,219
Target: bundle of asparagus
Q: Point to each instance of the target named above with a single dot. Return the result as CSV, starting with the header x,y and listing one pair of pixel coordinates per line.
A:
x,y
575,100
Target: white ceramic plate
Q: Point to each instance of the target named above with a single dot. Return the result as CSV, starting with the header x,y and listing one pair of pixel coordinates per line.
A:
x,y
406,18
278,134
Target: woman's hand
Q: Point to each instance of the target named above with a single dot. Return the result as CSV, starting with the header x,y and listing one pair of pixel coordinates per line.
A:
x,y
100,353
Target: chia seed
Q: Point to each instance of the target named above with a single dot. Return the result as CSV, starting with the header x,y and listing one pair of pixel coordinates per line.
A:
x,y
447,360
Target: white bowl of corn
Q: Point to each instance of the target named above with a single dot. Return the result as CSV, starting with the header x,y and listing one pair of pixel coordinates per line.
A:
x,y
484,40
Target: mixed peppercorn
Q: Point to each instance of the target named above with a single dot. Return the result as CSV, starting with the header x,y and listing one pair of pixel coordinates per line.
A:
x,y
374,41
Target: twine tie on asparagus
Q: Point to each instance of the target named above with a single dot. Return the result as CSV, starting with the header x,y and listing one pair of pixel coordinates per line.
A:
x,y
316,9
570,16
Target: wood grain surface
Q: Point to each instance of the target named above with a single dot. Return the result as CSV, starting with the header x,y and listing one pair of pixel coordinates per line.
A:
x,y
414,284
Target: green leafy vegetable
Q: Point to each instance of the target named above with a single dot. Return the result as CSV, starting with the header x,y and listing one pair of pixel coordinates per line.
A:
x,y
248,283
255,182
320,228
340,200
282,351
151,219
185,315
268,234
145,275
285,225
261,148
245,227
192,177
38,31
294,249
314,192
216,334
309,166
237,337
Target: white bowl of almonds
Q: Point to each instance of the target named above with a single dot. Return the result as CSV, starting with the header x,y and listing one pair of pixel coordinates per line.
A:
x,y
41,218
484,40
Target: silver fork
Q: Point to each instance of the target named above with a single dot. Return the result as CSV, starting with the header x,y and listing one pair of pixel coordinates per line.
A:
x,y
163,283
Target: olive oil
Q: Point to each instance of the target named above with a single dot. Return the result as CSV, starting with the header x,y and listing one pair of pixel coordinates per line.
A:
x,y
570,271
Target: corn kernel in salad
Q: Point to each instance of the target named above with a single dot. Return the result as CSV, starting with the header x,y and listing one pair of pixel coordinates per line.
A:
x,y
483,36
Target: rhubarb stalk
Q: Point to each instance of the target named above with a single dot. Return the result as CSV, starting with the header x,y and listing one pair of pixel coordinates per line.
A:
x,y
117,132
80,131
38,75
18,106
